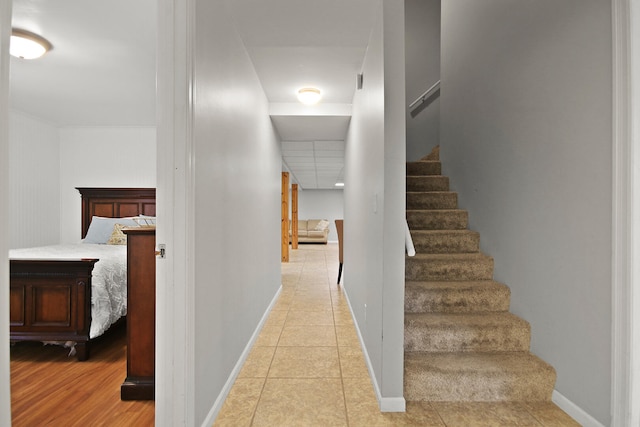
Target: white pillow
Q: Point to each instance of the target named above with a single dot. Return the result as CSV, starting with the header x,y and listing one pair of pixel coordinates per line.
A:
x,y
322,224
101,228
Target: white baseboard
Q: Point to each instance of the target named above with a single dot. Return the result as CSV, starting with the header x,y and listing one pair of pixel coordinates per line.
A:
x,y
392,404
576,412
217,405
386,404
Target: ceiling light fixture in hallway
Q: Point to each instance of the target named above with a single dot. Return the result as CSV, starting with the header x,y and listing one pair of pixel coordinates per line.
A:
x,y
309,95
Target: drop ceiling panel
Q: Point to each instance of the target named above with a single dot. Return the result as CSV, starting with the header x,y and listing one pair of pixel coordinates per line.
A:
x,y
297,145
329,154
330,160
300,160
328,145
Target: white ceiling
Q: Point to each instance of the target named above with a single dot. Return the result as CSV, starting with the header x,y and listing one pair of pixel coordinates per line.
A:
x,y
101,71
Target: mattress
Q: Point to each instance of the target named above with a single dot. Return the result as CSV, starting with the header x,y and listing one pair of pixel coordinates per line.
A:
x,y
109,280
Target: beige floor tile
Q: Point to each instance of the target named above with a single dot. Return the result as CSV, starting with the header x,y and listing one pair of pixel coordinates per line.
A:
x,y
484,414
297,317
257,363
343,319
417,414
269,336
240,405
352,363
305,285
341,308
305,362
289,281
311,304
341,304
362,405
550,414
363,409
288,292
316,292
301,402
310,335
283,304
347,336
276,318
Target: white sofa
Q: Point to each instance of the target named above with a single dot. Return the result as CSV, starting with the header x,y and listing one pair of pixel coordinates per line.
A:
x,y
312,231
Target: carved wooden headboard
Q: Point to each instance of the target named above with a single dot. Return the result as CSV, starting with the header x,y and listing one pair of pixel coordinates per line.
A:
x,y
116,203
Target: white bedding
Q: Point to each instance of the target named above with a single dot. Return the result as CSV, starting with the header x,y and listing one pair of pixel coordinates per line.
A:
x,y
109,280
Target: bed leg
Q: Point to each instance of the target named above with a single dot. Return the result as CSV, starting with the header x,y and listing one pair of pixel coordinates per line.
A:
x,y
82,351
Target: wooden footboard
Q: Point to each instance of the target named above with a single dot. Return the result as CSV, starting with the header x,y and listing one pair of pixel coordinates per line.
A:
x,y
50,300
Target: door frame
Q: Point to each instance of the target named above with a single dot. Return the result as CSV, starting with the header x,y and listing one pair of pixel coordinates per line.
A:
x,y
625,347
175,284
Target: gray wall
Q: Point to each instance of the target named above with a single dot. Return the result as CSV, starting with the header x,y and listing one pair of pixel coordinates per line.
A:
x,y
526,139
91,156
422,51
374,203
237,182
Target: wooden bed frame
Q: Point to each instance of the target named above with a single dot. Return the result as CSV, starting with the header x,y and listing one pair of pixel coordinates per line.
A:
x,y
50,300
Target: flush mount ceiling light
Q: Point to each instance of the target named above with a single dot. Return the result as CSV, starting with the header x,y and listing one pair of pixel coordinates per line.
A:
x,y
339,184
309,95
27,45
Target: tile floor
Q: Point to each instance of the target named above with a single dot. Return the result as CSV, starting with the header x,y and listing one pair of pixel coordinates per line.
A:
x,y
307,367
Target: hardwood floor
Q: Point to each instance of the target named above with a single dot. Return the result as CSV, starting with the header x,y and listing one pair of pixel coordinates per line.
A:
x,y
50,389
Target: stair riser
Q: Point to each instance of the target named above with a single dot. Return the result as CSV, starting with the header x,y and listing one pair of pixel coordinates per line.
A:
x,y
437,220
466,338
424,168
471,386
482,299
427,183
416,270
433,200
461,343
446,242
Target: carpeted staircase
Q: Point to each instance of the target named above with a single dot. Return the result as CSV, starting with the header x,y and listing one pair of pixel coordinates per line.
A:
x,y
461,342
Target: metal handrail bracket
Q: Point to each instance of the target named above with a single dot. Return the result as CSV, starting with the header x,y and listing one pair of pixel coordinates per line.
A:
x,y
425,95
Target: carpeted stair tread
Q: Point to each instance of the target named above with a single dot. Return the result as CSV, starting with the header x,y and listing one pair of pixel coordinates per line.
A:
x,y
437,219
481,332
461,343
456,297
446,241
470,376
424,167
428,183
449,267
432,200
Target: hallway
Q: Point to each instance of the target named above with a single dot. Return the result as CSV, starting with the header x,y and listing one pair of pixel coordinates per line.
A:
x,y
307,367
